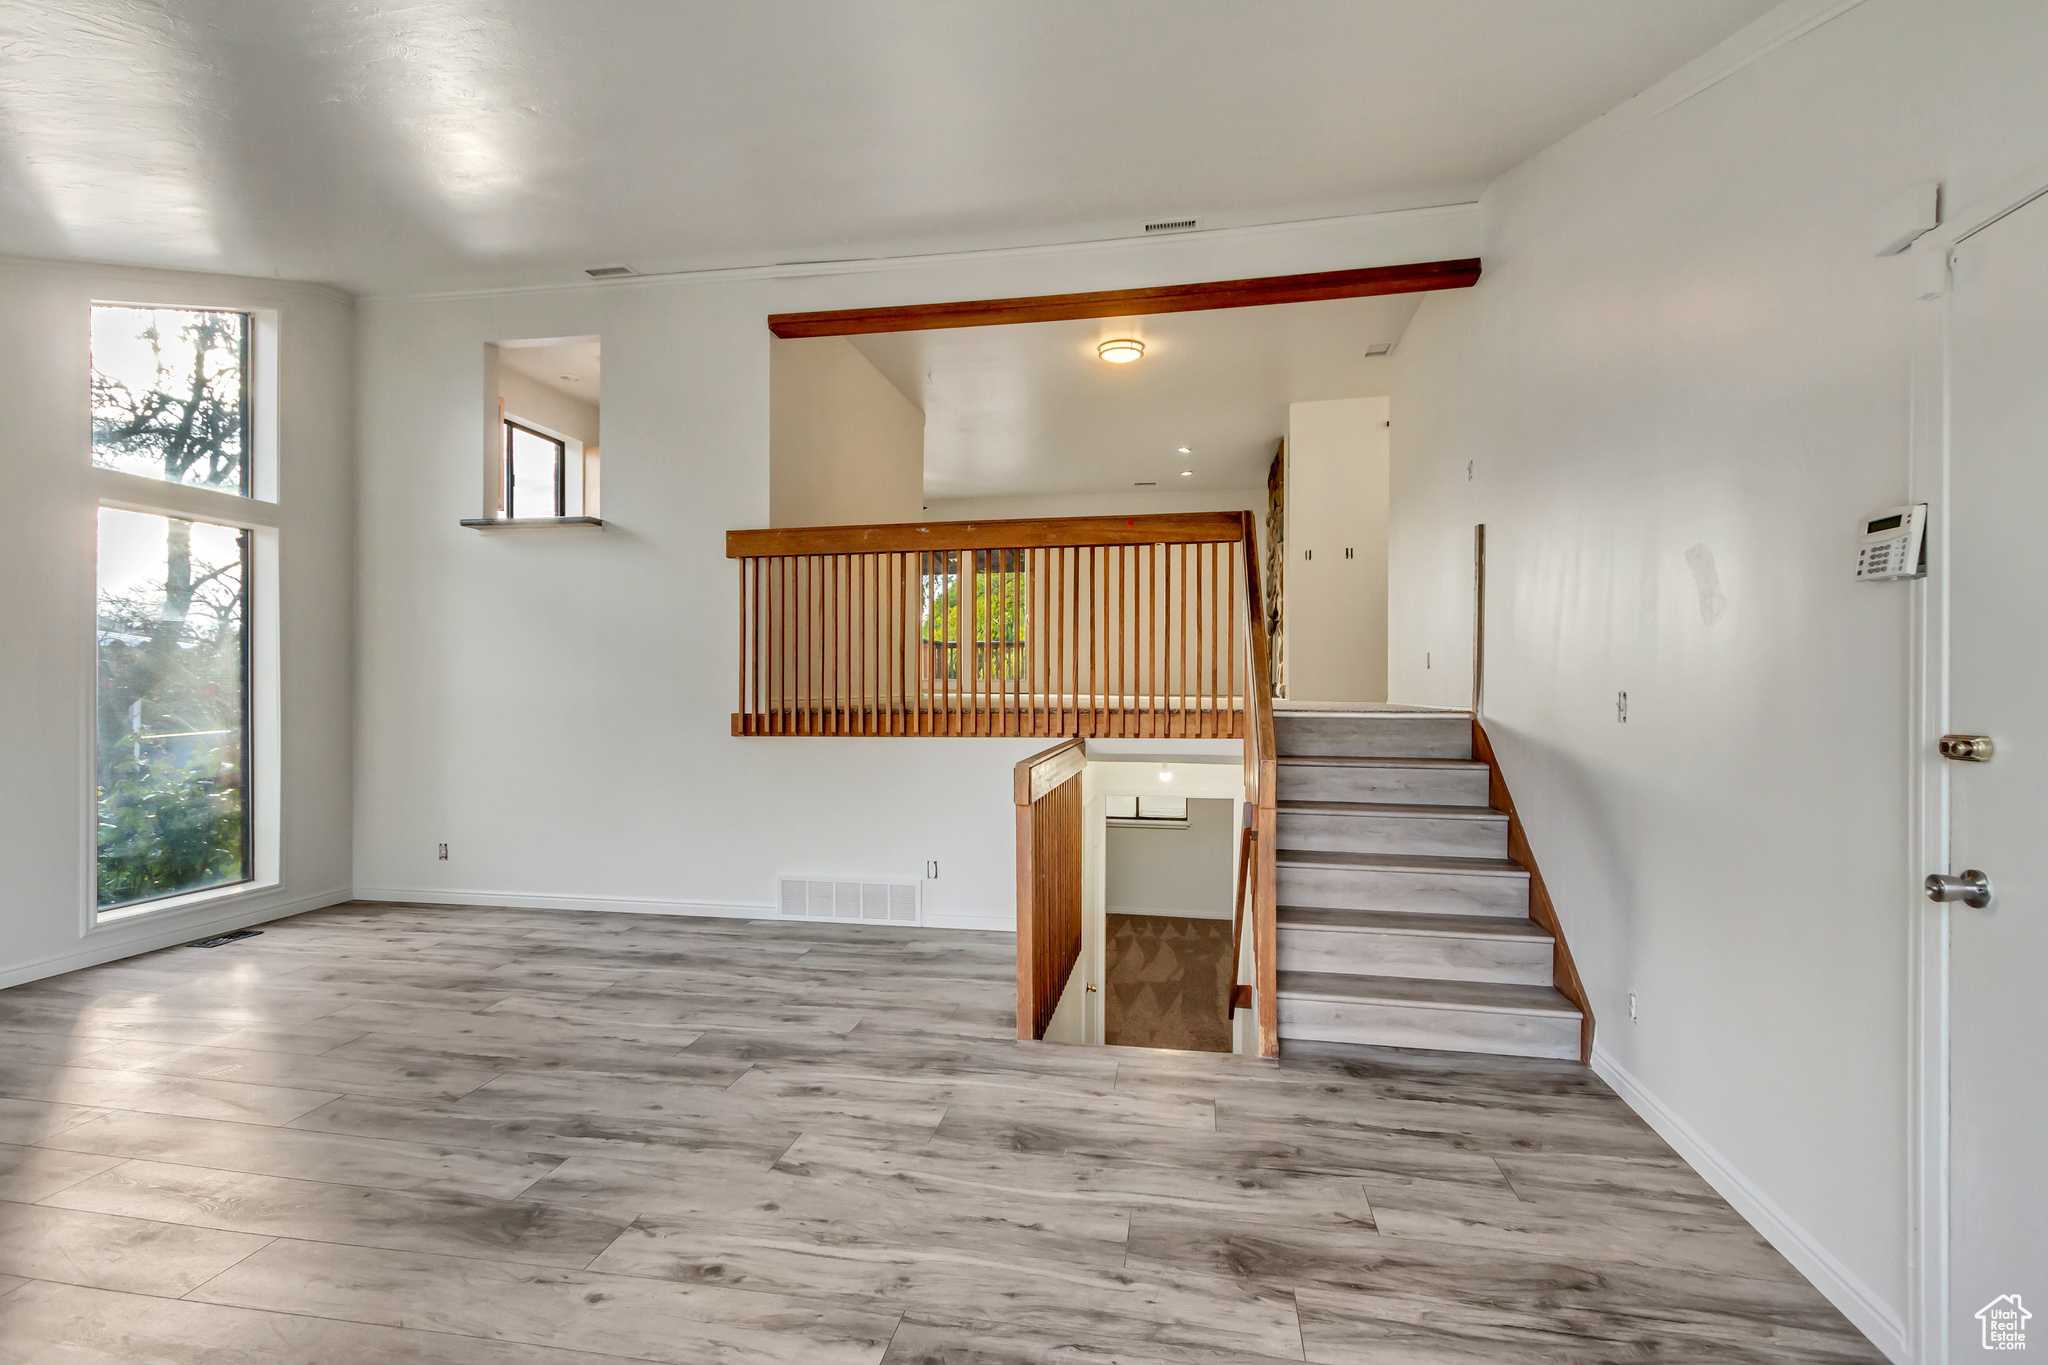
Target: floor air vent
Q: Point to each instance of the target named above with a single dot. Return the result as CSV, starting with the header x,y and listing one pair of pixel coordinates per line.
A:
x,y
856,902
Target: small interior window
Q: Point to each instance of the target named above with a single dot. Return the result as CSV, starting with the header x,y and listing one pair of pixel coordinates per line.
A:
x,y
1157,810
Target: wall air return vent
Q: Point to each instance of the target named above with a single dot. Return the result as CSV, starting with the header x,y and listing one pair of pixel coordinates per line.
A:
x,y
606,272
860,902
1172,225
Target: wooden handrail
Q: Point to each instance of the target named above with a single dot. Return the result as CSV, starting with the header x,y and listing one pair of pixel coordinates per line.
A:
x,y
1261,773
1168,528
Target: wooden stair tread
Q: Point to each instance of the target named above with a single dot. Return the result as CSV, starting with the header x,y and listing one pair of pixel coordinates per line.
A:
x,y
1404,922
1399,862
1399,809
1426,993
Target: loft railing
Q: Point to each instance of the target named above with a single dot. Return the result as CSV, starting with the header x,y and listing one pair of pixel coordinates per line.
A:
x,y
1073,626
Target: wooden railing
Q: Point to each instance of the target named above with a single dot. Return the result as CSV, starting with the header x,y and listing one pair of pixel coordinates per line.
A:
x,y
1261,774
1076,626
1048,800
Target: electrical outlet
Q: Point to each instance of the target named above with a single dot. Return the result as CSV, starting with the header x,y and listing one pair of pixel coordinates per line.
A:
x,y
441,853
1621,708
1632,1007
931,870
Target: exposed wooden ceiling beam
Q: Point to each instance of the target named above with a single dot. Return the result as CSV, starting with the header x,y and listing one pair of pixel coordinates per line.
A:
x,y
1116,303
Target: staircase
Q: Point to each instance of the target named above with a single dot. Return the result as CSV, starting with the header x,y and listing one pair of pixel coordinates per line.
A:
x,y
1401,920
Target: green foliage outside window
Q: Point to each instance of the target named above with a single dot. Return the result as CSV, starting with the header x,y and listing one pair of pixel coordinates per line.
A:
x,y
169,400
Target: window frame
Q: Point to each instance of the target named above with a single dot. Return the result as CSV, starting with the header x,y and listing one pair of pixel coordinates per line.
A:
x,y
257,513
507,488
1140,820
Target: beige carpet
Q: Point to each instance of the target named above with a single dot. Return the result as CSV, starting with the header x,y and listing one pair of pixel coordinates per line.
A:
x,y
1169,982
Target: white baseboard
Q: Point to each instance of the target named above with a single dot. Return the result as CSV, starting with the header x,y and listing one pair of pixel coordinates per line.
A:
x,y
1168,914
623,905
1855,1300
640,905
144,934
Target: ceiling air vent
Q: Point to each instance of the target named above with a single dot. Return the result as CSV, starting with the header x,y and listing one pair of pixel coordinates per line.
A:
x,y
607,272
861,902
1173,225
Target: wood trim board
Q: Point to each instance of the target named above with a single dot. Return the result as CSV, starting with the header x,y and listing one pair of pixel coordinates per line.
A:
x,y
1564,973
1116,303
1164,528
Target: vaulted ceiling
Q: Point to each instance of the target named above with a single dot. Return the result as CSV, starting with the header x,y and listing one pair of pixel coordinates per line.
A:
x,y
386,146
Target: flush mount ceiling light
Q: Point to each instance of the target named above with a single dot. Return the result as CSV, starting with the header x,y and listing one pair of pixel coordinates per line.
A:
x,y
1121,351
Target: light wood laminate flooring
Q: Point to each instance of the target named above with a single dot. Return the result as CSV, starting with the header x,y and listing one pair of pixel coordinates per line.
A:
x,y
377,1135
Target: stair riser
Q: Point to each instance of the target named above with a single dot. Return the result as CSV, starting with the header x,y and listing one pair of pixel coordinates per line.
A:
x,y
1421,835
1426,893
1374,736
1447,1030
1359,952
1410,786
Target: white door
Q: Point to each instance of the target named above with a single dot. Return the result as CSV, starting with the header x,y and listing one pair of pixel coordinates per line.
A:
x,y
1998,661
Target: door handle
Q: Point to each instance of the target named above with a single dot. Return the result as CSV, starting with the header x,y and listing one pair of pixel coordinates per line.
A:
x,y
1966,748
1972,888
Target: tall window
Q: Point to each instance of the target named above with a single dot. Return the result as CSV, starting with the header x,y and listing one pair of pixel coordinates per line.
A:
x,y
170,402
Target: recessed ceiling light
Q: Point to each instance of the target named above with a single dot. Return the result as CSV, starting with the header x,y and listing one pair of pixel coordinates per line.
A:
x,y
1378,348
1187,473
1185,451
1121,351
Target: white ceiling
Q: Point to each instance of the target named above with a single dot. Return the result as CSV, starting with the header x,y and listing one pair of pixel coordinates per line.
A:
x,y
568,367
1032,409
386,146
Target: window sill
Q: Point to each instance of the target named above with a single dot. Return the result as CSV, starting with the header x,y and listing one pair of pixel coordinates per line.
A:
x,y
190,900
523,523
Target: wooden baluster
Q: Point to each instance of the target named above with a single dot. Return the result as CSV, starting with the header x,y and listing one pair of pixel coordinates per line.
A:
x,y
895,642
1215,641
1182,689
1230,694
1152,627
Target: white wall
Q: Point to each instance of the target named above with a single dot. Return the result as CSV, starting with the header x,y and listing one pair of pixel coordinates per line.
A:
x,y
1137,502
1175,871
46,622
644,800
527,397
845,446
1681,381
